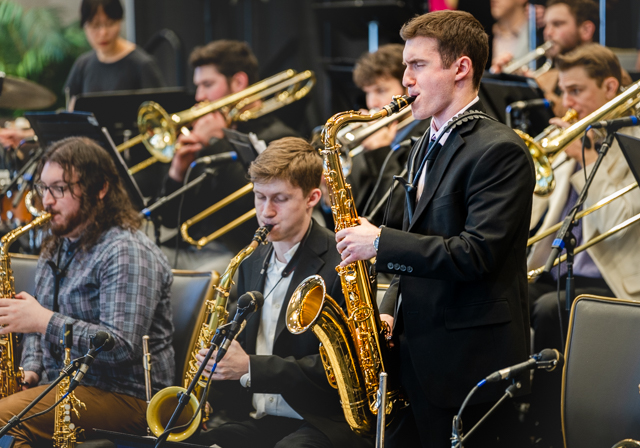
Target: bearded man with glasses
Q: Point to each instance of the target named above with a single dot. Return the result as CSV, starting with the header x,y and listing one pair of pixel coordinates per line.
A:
x,y
98,272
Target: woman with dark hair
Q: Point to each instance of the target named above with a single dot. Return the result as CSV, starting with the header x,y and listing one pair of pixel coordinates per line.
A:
x,y
114,63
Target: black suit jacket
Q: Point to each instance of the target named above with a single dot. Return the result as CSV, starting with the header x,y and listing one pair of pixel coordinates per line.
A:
x,y
295,369
461,264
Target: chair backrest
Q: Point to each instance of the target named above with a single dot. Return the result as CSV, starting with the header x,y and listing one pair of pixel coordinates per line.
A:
x,y
600,399
24,272
189,293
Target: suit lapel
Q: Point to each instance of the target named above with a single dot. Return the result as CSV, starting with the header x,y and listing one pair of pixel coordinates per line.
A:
x,y
255,282
310,262
453,144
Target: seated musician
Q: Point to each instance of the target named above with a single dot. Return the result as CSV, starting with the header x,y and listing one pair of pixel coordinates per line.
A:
x,y
221,68
100,273
589,77
276,376
569,24
379,75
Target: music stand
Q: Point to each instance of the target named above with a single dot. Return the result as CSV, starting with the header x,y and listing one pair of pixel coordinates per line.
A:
x,y
499,91
630,147
122,440
118,111
54,126
246,145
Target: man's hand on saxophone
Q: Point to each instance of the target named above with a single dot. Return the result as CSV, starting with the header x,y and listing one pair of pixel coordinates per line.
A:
x,y
24,315
30,379
356,243
234,364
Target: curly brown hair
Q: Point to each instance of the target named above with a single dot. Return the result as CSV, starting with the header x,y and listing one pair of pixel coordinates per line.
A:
x,y
93,168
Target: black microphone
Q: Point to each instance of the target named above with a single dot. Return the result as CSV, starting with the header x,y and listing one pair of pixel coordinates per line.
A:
x,y
100,342
614,125
216,159
547,359
247,304
528,104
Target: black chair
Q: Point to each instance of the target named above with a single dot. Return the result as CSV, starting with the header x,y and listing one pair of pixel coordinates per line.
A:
x,y
189,293
601,377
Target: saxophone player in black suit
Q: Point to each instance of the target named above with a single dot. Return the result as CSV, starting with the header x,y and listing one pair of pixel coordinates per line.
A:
x,y
459,297
278,376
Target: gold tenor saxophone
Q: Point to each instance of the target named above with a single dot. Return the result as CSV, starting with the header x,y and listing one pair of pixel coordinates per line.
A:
x,y
11,375
163,403
352,347
65,432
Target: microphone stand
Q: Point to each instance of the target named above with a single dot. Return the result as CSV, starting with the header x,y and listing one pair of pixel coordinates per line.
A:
x,y
16,419
32,161
183,397
456,440
564,238
146,213
381,401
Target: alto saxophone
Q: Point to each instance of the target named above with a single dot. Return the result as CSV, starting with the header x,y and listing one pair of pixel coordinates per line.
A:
x,y
12,375
65,433
163,403
352,347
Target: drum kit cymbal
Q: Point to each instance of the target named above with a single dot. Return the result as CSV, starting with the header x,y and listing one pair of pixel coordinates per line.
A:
x,y
19,93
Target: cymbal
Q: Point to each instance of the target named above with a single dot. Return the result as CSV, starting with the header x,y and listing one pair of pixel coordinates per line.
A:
x,y
18,93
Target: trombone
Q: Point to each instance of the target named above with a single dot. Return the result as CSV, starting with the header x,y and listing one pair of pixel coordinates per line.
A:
x,y
522,62
549,146
184,228
158,130
536,272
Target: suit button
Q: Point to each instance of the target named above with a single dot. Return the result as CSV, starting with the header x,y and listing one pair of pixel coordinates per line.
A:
x,y
271,399
396,266
389,265
409,269
403,268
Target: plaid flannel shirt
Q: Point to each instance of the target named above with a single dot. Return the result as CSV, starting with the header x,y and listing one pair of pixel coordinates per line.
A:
x,y
122,286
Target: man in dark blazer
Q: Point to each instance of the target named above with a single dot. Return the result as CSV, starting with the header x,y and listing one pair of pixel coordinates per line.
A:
x,y
459,299
279,373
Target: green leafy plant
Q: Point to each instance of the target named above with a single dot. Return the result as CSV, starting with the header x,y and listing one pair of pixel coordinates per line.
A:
x,y
34,45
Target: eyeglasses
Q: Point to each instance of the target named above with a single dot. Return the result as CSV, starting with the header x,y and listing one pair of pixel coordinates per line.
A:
x,y
56,191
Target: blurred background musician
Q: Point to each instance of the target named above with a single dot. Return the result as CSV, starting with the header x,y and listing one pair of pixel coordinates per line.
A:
x,y
114,63
569,24
221,68
273,379
589,77
379,75
511,30
109,277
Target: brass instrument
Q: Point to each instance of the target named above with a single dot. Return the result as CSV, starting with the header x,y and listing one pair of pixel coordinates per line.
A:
x,y
11,375
531,275
163,403
545,181
158,130
617,107
522,62
627,443
352,347
598,205
184,228
65,432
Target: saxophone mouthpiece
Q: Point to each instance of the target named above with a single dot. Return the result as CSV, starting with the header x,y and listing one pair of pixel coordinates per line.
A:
x,y
399,102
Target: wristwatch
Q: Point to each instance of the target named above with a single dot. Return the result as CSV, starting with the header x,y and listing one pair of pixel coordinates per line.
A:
x,y
377,240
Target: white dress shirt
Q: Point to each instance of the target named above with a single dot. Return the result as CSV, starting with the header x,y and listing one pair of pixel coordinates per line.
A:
x,y
434,135
275,290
